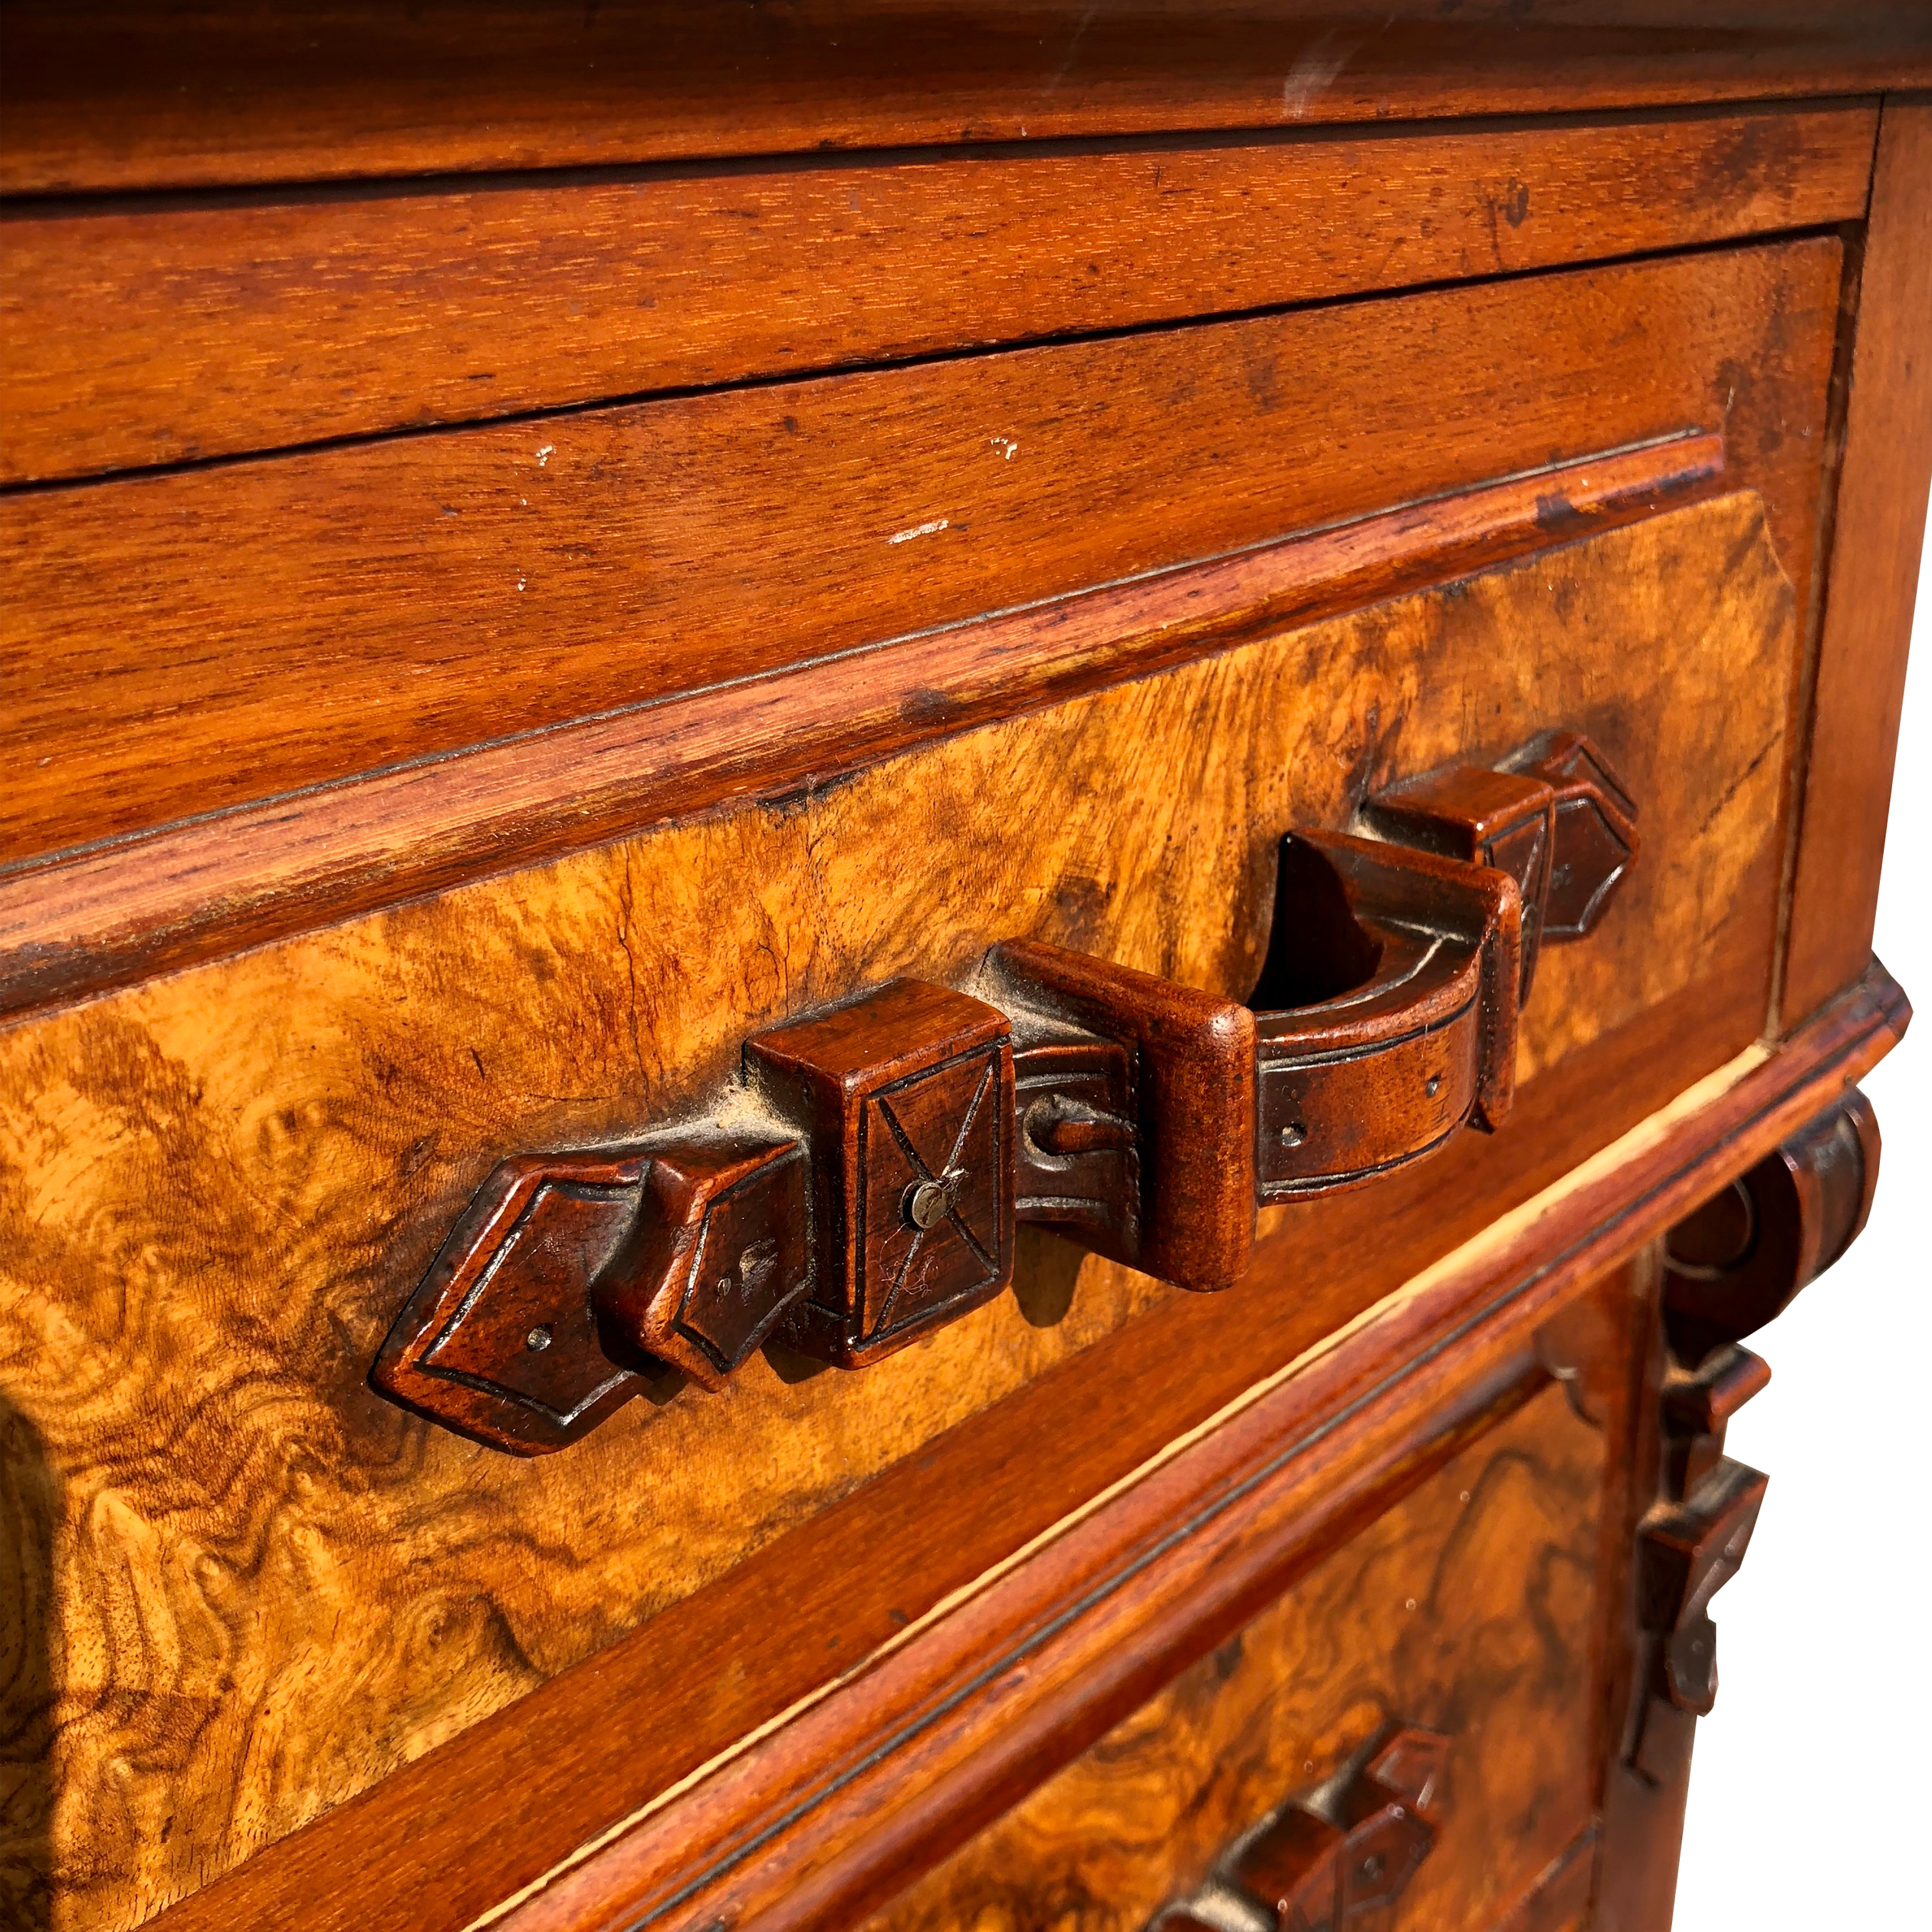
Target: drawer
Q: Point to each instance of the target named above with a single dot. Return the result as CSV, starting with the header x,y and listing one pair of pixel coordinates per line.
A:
x,y
742,705
431,656
1468,1612
233,1178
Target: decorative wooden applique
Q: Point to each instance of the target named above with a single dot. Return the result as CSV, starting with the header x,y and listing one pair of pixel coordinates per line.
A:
x,y
1322,1861
911,1128
1731,1266
907,1099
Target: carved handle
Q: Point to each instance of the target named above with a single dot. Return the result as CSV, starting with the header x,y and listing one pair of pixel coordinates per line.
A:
x,y
1321,1859
862,1183
1738,1261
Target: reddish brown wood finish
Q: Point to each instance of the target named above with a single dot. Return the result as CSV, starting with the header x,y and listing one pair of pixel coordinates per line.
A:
x,y
1193,1060
1554,817
1315,1869
1689,1541
132,96
907,1098
720,1251
141,335
1879,526
1389,1011
1737,1262
499,1342
104,918
444,1835
395,602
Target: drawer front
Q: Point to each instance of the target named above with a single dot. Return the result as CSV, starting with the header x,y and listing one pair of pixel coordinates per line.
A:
x,y
1469,1610
227,1182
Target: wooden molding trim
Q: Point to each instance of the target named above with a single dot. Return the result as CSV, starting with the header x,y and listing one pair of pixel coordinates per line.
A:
x,y
830,1814
134,338
128,97
1873,578
107,916
451,1812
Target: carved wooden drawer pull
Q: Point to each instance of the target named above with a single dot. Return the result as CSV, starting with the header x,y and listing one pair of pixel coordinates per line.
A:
x,y
861,1182
1321,1861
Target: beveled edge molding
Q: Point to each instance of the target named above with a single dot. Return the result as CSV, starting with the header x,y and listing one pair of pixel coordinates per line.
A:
x,y
397,1839
103,916
836,1806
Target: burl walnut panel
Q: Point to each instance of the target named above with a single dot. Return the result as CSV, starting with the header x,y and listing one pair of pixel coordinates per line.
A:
x,y
220,1187
1467,1609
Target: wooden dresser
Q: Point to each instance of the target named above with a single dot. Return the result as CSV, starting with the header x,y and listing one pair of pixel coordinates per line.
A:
x,y
920,928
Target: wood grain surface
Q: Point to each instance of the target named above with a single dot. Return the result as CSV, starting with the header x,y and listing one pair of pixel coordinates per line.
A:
x,y
1467,1607
223,1184
1878,533
936,1529
397,601
117,913
1144,1613
133,96
144,335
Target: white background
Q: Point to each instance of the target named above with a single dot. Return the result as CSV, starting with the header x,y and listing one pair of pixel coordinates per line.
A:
x,y
1809,1804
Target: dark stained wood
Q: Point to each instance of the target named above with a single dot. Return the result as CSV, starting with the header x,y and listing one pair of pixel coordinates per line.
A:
x,y
398,601
1314,1868
907,1098
574,1280
445,1834
139,335
1554,817
1877,528
140,97
1388,1011
1193,1063
1737,1263
103,918
717,1264
500,1341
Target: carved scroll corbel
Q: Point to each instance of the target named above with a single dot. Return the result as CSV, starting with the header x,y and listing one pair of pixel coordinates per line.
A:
x,y
1730,1266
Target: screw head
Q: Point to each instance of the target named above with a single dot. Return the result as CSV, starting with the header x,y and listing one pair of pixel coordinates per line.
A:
x,y
1294,1134
538,1339
927,1203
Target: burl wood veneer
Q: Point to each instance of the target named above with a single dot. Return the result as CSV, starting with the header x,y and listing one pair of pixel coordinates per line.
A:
x,y
572,576
1466,1608
229,1181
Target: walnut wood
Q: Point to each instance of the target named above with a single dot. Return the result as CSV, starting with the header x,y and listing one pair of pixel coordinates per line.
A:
x,y
1194,1072
1729,1268
907,1097
720,1252
1691,1551
1390,984
1315,1864
147,335
1877,527
1400,969
839,1823
500,1341
1554,817
395,602
1737,1262
442,1833
128,97
105,918
355,1088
